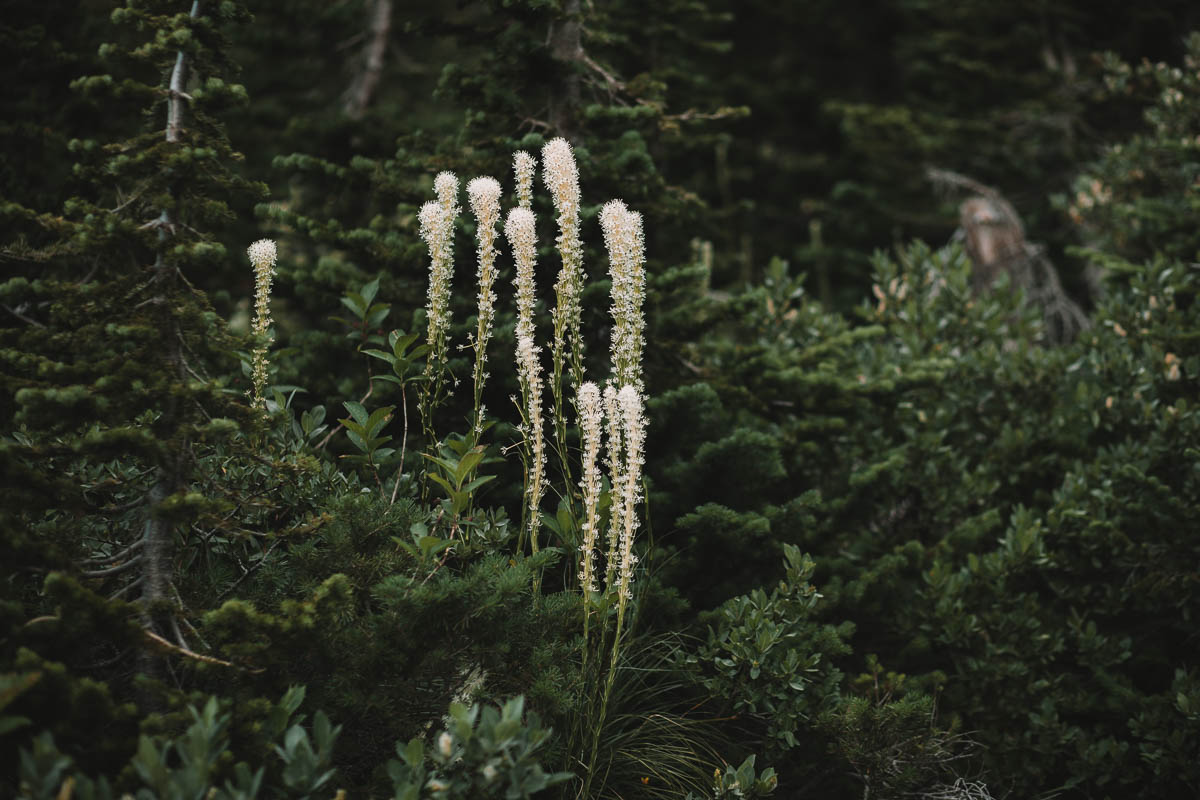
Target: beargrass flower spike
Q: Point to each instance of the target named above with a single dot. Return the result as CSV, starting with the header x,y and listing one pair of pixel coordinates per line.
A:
x,y
524,166
561,177
520,229
531,375
625,242
263,256
633,425
484,196
612,413
591,423
437,229
445,186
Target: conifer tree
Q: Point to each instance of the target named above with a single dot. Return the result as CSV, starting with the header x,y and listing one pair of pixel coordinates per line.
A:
x,y
107,388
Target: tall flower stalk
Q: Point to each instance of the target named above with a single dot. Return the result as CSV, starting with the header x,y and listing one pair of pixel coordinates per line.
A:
x,y
626,414
262,257
520,228
524,166
437,229
531,376
616,468
561,177
626,247
591,423
484,196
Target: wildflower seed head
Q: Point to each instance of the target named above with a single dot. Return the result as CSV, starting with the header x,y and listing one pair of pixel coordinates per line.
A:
x,y
524,165
445,744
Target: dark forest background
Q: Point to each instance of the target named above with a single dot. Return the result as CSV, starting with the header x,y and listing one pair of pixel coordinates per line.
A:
x,y
922,473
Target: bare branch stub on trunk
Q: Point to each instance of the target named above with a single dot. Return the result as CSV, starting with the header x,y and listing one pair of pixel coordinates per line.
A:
x,y
995,242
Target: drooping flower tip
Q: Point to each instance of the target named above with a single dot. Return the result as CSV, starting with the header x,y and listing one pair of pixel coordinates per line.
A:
x,y
262,254
483,192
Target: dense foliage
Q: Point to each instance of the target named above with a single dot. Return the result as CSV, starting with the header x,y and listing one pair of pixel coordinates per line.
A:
x,y
336,524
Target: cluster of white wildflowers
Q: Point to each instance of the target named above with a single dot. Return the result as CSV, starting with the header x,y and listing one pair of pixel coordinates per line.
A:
x,y
484,196
262,255
626,246
591,422
612,421
633,424
521,231
561,177
524,165
437,229
612,413
530,369
626,456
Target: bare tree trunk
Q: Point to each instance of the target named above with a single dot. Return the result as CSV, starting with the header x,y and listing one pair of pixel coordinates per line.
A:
x,y
566,48
362,88
158,548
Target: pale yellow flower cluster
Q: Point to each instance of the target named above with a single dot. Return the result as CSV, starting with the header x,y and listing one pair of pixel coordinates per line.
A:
x,y
633,425
484,196
612,413
626,246
521,231
530,369
262,256
612,421
561,177
591,422
437,229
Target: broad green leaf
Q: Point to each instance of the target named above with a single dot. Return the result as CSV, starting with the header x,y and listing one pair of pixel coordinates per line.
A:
x,y
357,411
368,293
